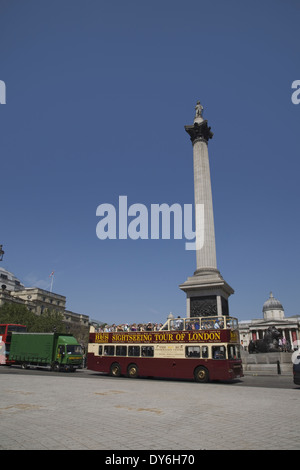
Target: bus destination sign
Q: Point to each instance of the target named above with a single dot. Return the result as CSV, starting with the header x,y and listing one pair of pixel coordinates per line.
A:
x,y
215,336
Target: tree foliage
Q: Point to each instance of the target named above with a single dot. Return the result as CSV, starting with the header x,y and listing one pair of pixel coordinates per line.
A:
x,y
48,322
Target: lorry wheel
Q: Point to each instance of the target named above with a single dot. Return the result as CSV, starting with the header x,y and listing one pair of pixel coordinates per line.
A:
x,y
55,367
24,365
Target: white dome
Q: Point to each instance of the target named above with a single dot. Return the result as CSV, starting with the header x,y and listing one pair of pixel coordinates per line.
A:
x,y
273,309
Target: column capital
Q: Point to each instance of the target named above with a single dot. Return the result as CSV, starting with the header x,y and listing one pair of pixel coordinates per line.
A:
x,y
199,132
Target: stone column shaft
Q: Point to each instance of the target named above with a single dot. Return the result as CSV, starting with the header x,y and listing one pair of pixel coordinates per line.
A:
x,y
206,255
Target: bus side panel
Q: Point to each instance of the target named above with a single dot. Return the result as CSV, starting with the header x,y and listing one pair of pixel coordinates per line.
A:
x,y
168,367
217,369
184,369
147,367
171,368
98,363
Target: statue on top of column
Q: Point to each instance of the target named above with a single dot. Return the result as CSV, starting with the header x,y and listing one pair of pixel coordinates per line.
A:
x,y
199,109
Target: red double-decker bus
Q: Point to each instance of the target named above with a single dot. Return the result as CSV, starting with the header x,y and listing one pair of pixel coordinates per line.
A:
x,y
201,348
6,330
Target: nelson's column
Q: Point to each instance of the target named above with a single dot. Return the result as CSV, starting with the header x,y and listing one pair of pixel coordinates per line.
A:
x,y
207,292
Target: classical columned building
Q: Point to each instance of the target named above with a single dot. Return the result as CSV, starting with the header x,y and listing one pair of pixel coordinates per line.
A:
x,y
37,300
273,315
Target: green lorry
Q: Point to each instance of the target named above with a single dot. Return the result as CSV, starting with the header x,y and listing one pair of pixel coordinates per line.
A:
x,y
50,350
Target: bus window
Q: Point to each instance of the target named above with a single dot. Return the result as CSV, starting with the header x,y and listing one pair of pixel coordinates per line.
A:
x,y
192,351
147,351
207,324
121,351
16,328
192,324
231,323
233,352
189,324
179,323
216,323
100,351
109,350
204,351
133,350
218,352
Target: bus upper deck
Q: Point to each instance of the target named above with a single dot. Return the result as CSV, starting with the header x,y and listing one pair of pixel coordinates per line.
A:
x,y
201,323
184,330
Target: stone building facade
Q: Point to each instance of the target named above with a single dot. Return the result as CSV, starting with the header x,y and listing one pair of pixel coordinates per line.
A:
x,y
35,299
273,315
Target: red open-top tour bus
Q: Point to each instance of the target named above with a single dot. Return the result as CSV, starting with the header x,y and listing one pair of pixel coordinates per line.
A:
x,y
199,348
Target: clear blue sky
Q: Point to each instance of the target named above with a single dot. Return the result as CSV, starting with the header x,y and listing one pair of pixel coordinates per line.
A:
x,y
98,94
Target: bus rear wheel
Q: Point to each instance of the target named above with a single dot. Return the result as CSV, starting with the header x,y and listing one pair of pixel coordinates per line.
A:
x,y
115,370
201,374
133,371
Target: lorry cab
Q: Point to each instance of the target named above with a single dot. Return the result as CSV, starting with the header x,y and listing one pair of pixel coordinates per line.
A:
x,y
68,353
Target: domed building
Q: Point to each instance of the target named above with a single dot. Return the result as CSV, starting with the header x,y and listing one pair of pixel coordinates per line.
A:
x,y
273,315
272,309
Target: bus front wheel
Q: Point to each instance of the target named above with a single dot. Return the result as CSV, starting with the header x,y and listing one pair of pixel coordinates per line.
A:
x,y
115,370
201,374
133,371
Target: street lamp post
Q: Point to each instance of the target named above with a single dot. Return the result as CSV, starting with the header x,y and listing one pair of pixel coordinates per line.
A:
x,y
1,253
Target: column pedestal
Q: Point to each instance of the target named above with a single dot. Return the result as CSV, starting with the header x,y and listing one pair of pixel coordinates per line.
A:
x,y
206,294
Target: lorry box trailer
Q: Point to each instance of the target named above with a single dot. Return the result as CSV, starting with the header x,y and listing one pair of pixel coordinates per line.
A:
x,y
50,350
